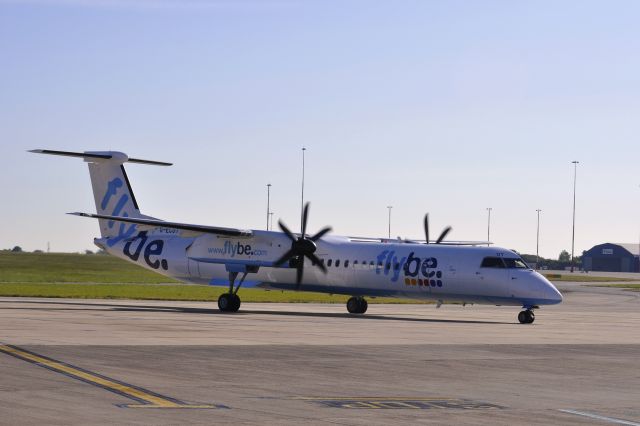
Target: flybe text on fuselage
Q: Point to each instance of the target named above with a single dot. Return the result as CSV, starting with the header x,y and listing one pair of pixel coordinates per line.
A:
x,y
231,249
152,250
416,270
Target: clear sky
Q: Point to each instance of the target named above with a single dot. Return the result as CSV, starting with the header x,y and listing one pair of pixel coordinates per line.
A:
x,y
443,106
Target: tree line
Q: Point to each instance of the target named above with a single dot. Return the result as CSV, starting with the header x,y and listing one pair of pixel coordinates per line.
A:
x,y
18,249
562,262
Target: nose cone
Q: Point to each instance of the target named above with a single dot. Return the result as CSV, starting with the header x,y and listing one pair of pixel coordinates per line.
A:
x,y
551,294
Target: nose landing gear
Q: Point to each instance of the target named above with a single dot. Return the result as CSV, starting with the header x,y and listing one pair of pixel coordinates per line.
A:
x,y
357,305
526,317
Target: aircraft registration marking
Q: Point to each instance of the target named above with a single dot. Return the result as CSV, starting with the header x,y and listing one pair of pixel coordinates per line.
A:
x,y
395,403
144,397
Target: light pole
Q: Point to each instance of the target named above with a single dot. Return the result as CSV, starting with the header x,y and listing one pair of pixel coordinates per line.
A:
x,y
538,241
489,225
302,198
271,217
268,207
389,207
573,232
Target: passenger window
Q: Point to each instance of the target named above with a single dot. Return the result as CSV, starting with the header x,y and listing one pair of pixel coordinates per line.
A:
x,y
388,266
396,266
346,263
329,262
355,263
371,264
492,262
337,262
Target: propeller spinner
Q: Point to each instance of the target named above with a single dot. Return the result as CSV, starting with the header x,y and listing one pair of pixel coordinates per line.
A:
x,y
302,247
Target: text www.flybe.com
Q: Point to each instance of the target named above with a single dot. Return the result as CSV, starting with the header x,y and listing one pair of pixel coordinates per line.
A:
x,y
232,249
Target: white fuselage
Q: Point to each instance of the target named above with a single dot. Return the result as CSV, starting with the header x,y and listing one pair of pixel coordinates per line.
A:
x,y
397,269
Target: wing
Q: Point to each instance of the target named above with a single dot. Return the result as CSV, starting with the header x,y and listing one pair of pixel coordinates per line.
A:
x,y
408,241
173,225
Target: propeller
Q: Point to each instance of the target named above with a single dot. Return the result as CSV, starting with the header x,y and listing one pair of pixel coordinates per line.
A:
x,y
426,230
302,247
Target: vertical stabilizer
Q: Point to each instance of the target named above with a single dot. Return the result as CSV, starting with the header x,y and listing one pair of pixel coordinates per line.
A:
x,y
111,189
112,193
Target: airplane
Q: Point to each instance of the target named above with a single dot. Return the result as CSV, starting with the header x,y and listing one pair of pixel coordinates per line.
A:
x,y
437,270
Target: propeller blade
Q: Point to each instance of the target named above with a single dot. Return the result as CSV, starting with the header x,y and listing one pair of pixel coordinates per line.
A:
x,y
312,257
305,215
444,234
426,227
321,234
299,272
302,247
288,255
286,231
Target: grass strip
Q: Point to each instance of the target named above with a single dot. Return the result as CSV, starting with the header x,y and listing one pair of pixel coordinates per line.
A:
x,y
172,292
584,278
632,287
73,268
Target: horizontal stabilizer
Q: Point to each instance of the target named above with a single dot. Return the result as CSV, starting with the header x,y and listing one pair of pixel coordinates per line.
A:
x,y
100,156
172,225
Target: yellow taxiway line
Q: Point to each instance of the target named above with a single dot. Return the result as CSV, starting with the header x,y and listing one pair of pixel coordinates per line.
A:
x,y
396,402
144,398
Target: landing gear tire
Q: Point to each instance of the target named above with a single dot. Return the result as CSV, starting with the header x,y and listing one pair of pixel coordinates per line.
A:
x,y
228,302
526,317
357,305
236,303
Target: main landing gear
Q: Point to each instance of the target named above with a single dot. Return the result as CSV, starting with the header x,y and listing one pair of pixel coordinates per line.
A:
x,y
357,305
230,302
526,317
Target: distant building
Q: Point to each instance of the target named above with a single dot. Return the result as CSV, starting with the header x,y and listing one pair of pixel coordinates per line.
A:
x,y
612,258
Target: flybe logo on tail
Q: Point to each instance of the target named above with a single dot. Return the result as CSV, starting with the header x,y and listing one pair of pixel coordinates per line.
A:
x,y
125,231
416,271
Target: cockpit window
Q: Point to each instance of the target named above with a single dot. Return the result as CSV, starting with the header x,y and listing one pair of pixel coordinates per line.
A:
x,y
492,262
504,262
516,263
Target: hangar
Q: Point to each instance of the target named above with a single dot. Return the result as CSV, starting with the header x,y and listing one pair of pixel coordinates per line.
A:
x,y
612,257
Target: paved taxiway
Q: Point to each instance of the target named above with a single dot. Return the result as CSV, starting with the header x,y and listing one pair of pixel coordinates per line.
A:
x,y
315,364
